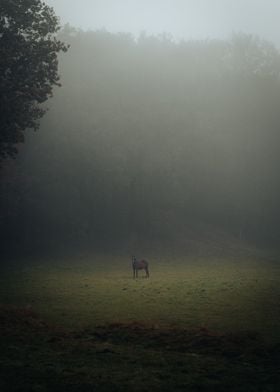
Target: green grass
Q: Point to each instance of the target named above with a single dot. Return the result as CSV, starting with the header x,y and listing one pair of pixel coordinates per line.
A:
x,y
196,324
220,294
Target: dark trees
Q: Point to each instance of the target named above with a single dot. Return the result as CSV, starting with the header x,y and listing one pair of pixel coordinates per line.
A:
x,y
151,142
28,67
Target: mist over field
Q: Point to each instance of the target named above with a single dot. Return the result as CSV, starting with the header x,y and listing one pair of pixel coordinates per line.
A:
x,y
150,142
154,139
139,223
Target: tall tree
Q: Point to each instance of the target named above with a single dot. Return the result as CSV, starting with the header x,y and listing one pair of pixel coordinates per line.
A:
x,y
28,67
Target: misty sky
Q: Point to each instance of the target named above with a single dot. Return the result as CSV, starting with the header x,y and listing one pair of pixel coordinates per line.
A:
x,y
198,19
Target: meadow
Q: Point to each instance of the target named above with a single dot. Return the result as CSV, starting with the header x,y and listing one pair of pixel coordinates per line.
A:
x,y
198,324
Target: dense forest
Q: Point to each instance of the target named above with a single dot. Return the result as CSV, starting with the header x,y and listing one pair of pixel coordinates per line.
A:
x,y
147,140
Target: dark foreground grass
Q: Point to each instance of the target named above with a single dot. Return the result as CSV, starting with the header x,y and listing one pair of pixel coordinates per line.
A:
x,y
36,356
198,324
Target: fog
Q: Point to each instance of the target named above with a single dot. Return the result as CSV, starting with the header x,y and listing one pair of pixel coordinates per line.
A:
x,y
153,142
197,19
139,223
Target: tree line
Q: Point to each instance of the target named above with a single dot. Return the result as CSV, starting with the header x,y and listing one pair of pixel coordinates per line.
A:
x,y
146,138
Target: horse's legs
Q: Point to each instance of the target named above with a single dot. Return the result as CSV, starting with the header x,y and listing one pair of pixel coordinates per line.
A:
x,y
147,272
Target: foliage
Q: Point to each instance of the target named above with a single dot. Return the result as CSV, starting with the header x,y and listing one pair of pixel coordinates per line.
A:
x,y
147,137
28,67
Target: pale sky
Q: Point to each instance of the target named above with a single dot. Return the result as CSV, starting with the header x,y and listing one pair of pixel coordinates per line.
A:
x,y
198,19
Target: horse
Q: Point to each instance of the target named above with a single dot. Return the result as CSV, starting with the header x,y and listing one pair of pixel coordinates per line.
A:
x,y
139,265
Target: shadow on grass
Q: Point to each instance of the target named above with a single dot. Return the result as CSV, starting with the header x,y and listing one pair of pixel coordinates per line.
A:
x,y
37,356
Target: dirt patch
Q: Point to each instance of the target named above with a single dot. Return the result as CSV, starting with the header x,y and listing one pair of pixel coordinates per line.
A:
x,y
200,341
134,356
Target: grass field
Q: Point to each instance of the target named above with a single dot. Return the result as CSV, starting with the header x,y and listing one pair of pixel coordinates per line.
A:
x,y
198,324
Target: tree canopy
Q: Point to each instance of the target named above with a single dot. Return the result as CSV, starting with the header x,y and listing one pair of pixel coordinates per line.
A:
x,y
149,142
28,67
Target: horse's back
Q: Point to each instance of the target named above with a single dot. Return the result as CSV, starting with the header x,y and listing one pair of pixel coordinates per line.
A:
x,y
144,263
140,264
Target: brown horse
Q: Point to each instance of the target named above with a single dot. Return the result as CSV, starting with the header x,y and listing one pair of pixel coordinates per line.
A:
x,y
139,265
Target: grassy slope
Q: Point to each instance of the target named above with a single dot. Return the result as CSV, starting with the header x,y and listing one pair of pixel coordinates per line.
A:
x,y
197,323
